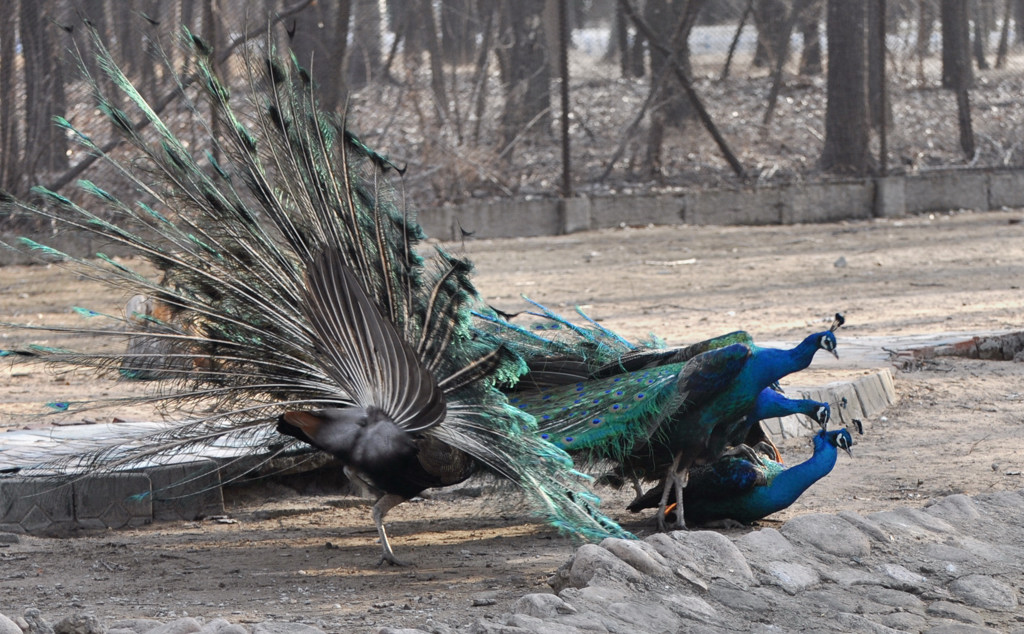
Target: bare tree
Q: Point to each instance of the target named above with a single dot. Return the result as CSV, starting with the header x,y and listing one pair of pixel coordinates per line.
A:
x,y
956,54
525,71
10,138
846,115
44,90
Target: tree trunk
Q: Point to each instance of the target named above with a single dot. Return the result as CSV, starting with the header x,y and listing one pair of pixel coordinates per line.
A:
x,y
526,72
846,114
956,55
809,22
770,19
44,93
671,22
879,109
11,172
425,11
364,57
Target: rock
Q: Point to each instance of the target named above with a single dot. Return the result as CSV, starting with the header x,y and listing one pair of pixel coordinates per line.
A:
x,y
185,625
590,560
135,625
912,522
829,534
36,623
79,624
645,617
893,598
538,626
866,526
958,509
848,577
717,556
400,630
282,627
857,623
7,626
542,606
903,579
903,621
689,607
766,540
639,555
955,611
221,626
9,538
791,577
985,592
737,599
959,628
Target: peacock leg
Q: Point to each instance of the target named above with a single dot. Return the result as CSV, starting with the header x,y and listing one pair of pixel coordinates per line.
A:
x,y
636,486
681,478
669,482
380,509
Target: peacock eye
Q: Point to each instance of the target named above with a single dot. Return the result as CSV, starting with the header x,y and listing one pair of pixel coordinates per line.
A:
x,y
822,413
826,343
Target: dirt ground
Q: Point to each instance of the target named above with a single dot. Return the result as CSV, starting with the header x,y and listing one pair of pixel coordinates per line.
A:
x,y
283,556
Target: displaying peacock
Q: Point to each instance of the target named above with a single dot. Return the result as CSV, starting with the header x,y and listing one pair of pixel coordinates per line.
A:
x,y
289,297
747,486
650,412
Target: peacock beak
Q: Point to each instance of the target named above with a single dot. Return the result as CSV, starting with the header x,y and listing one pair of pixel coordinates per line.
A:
x,y
834,353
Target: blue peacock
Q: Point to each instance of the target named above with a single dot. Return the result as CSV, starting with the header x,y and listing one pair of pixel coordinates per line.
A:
x,y
748,485
651,412
291,307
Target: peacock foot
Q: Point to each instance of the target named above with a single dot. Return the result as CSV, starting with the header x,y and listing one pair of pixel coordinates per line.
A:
x,y
389,557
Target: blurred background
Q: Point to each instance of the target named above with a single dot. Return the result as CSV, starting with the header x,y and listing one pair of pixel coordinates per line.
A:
x,y
546,98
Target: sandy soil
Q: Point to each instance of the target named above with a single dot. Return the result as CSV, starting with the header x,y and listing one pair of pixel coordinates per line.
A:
x,y
284,556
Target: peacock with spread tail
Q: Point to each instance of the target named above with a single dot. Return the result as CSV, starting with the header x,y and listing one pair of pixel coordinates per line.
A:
x,y
649,411
290,305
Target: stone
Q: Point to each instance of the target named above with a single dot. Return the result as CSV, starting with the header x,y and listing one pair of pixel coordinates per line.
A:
x,y
79,624
9,538
591,560
645,617
689,607
135,625
849,577
7,626
955,611
36,623
639,555
911,522
985,592
737,599
958,509
222,626
902,621
400,630
858,623
766,540
902,579
542,606
791,577
282,627
829,534
185,625
959,628
717,556
866,526
893,598
538,626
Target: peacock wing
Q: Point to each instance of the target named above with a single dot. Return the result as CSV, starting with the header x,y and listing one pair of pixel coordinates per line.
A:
x,y
652,357
363,352
603,418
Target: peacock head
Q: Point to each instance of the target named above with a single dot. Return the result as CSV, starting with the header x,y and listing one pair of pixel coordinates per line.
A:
x,y
827,340
822,414
840,438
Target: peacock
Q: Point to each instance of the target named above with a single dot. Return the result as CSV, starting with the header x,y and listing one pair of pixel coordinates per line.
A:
x,y
748,485
289,306
652,412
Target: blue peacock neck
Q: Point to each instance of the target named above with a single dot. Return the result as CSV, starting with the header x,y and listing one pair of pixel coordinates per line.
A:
x,y
791,483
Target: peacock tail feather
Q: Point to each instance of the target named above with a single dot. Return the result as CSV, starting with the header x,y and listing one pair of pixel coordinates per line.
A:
x,y
233,230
